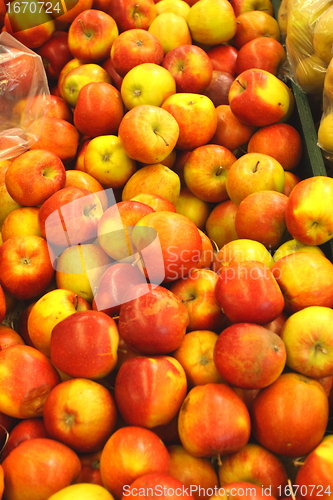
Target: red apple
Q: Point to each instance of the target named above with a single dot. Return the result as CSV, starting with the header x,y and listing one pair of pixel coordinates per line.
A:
x,y
91,35
169,243
148,133
253,24
135,46
230,132
218,89
221,416
258,98
196,118
306,279
291,180
298,414
76,77
206,170
249,356
29,428
129,453
33,270
156,403
87,116
3,306
261,217
220,225
55,54
261,53
115,78
85,345
143,329
223,58
9,337
34,176
258,296
31,28
90,468
282,141
191,68
80,413
240,250
38,468
196,291
130,14
308,214
24,397
84,180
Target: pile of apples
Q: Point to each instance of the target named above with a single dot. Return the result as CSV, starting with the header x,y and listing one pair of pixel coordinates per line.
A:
x,y
175,338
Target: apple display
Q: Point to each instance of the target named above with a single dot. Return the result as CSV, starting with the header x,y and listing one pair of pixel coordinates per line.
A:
x,y
147,376
91,35
282,141
159,132
87,117
133,47
298,409
148,84
151,334
306,335
196,118
261,217
258,98
212,22
252,173
249,356
191,68
259,298
171,30
221,416
106,160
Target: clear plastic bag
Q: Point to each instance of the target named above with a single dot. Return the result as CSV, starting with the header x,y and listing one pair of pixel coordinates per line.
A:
x,y
23,96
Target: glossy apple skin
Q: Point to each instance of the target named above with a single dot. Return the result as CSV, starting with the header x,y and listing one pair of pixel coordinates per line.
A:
x,y
25,266
29,428
150,391
147,307
25,397
90,471
102,31
47,311
249,356
191,68
261,53
206,170
306,279
168,487
254,463
85,345
282,141
55,53
9,337
190,470
179,242
196,117
130,14
135,46
308,217
130,453
240,250
40,461
223,58
34,176
254,24
316,471
84,180
258,98
80,413
291,181
230,132
76,77
261,217
306,335
209,408
220,225
305,403
197,293
246,280
94,96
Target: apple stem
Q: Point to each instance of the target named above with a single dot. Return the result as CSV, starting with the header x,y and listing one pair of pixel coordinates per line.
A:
x,y
136,261
188,300
76,301
7,437
256,167
161,136
90,209
219,460
298,463
83,28
321,349
291,490
219,171
116,317
136,14
240,84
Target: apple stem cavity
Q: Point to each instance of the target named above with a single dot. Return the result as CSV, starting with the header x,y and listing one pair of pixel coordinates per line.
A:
x,y
321,349
219,171
161,136
219,460
86,33
7,437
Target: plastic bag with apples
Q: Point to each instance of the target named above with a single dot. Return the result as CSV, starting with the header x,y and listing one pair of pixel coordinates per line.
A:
x,y
309,40
325,130
23,96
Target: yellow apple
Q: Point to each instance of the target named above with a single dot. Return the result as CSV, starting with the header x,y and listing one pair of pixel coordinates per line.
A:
x,y
328,82
178,7
323,36
82,491
212,22
172,31
242,250
292,246
325,133
310,74
21,221
193,207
